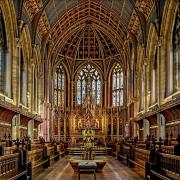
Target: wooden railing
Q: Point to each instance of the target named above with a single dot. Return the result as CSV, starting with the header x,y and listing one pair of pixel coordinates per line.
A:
x,y
10,167
170,163
9,150
167,149
9,163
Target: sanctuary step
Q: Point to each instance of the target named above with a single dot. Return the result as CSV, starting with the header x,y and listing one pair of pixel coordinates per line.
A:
x,y
79,151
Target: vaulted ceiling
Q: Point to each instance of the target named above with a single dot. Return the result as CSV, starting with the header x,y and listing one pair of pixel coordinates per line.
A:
x,y
88,29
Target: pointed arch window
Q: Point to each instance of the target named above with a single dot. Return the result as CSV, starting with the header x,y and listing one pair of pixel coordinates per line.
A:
x,y
142,93
176,49
59,86
88,78
3,50
154,79
23,82
35,90
117,86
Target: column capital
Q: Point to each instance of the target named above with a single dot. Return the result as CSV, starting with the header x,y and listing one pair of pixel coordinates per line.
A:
x,y
160,41
20,23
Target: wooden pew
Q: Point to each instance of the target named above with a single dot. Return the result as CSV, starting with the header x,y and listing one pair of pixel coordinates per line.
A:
x,y
166,166
9,150
167,149
36,160
124,153
117,149
140,158
10,167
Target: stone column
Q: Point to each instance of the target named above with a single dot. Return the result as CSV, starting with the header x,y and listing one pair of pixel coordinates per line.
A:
x,y
31,128
65,119
105,94
161,126
145,128
32,103
59,129
126,129
145,85
16,127
136,129
117,132
159,93
111,125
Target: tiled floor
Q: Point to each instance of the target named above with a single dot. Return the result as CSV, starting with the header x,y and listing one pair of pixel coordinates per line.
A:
x,y
113,170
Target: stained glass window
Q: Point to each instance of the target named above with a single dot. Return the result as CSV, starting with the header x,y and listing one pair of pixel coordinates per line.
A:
x,y
154,80
176,48
117,86
88,78
59,86
35,90
142,94
23,78
3,48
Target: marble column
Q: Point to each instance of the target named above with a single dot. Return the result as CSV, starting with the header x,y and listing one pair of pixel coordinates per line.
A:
x,y
16,127
145,128
31,128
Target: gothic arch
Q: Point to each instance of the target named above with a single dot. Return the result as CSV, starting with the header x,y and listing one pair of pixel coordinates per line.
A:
x,y
167,27
151,58
139,74
114,63
96,79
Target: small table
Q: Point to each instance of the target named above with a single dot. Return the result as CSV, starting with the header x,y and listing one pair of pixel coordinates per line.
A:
x,y
87,168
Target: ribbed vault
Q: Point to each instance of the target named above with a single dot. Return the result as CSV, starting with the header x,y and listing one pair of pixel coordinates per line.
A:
x,y
88,43
88,29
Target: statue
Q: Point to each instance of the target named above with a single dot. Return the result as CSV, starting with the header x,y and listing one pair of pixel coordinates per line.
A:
x,y
97,123
79,124
88,137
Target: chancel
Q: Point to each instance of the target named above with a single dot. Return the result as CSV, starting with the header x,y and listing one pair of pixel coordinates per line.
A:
x,y
89,89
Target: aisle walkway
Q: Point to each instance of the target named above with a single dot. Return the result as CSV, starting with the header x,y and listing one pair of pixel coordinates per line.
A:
x,y
113,170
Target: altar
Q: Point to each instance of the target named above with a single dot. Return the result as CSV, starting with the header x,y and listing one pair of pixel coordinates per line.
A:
x,y
88,115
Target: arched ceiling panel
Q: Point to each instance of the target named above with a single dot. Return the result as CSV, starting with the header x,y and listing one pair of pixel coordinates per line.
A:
x,y
55,10
89,43
88,29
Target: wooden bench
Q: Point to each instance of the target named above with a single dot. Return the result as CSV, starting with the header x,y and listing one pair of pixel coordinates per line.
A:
x,y
141,160
87,168
124,154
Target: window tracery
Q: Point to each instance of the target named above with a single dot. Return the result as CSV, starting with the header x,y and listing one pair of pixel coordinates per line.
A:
x,y
88,78
23,79
59,86
35,90
117,86
3,50
154,79
176,48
